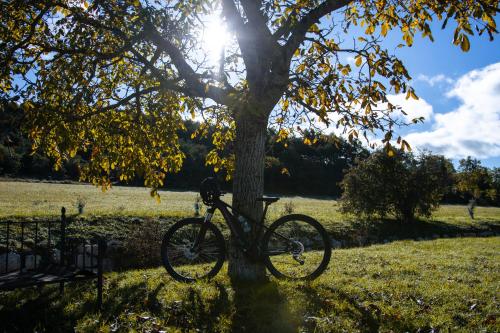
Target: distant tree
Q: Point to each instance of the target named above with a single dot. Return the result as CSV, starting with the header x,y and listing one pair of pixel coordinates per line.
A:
x,y
475,180
401,185
10,161
311,169
495,173
12,141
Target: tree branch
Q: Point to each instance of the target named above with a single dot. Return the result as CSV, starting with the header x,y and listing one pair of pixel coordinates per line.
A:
x,y
194,86
299,31
234,19
256,19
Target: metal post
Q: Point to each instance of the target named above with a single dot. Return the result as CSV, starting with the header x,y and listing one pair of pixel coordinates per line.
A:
x,y
7,248
23,256
36,245
63,245
63,236
100,255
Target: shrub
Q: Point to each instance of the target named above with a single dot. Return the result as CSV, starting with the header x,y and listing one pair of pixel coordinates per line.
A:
x,y
289,208
80,204
402,185
142,245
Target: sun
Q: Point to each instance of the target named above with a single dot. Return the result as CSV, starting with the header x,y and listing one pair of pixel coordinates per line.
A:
x,y
214,38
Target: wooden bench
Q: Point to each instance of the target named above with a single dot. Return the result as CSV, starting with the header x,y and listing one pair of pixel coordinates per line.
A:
x,y
37,253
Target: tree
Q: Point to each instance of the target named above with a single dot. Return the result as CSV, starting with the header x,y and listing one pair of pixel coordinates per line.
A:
x,y
475,180
495,175
401,185
114,78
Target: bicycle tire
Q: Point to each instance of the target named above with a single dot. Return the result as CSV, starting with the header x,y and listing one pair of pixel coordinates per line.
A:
x,y
167,241
315,225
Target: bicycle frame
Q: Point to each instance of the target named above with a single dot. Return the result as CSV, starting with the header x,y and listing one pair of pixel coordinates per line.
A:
x,y
234,226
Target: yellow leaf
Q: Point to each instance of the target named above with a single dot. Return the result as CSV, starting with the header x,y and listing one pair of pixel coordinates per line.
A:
x,y
301,68
346,70
285,104
359,60
284,171
411,94
406,145
385,28
370,30
301,93
314,28
408,38
465,44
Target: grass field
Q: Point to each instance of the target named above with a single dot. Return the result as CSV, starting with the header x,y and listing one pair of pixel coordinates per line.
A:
x,y
24,199
446,285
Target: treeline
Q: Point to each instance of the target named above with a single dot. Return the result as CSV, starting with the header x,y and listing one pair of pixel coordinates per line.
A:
x,y
297,169
311,170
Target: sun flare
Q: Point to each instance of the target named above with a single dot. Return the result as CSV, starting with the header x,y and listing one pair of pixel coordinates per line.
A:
x,y
214,37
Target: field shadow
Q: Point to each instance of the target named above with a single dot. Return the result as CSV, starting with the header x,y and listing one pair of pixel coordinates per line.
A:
x,y
379,231
30,310
333,306
42,309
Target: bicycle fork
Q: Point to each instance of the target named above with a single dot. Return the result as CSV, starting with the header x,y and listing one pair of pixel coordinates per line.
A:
x,y
203,230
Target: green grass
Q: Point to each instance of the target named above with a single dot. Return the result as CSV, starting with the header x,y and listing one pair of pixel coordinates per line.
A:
x,y
27,199
24,199
407,286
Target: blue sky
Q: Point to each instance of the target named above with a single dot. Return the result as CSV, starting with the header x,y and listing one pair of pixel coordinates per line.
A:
x,y
459,95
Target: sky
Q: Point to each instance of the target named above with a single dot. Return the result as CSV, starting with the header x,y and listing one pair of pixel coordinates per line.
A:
x,y
459,96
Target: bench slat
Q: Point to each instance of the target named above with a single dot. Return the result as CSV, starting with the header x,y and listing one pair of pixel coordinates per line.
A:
x,y
18,280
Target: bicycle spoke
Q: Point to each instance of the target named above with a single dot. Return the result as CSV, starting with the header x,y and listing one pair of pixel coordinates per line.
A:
x,y
295,249
188,261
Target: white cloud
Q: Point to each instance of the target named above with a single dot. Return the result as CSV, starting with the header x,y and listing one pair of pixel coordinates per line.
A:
x,y
433,80
413,108
473,128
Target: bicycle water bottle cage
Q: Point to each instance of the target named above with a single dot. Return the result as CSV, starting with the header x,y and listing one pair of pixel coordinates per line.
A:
x,y
209,191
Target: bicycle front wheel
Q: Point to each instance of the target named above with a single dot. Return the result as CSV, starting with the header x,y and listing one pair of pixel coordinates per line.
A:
x,y
296,247
182,260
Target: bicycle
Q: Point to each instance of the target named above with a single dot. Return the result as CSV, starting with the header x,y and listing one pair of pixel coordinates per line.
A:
x,y
293,247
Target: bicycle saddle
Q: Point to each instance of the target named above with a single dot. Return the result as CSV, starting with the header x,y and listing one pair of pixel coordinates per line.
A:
x,y
267,199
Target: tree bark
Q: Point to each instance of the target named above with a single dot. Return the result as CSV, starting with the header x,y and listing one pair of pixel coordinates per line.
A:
x,y
248,184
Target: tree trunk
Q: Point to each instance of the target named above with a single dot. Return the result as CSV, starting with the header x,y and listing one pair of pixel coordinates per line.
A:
x,y
248,184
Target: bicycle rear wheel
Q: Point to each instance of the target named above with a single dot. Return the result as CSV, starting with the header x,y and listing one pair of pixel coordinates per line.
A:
x,y
185,263
296,247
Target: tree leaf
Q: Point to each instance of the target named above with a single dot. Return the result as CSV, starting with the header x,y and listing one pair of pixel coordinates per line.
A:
x,y
465,44
359,60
